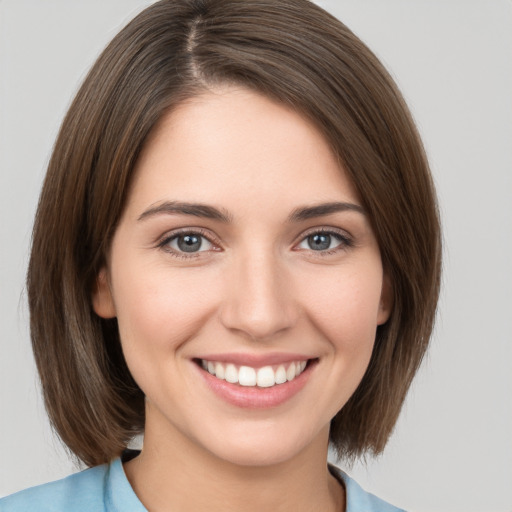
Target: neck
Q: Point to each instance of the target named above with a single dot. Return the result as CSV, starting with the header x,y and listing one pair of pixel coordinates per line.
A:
x,y
173,473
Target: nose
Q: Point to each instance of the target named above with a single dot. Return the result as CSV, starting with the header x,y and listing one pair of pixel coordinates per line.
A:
x,y
259,299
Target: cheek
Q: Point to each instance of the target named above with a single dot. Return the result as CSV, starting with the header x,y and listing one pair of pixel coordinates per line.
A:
x,y
344,311
345,307
159,310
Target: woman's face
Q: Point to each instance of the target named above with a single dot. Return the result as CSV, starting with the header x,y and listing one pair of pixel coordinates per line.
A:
x,y
243,249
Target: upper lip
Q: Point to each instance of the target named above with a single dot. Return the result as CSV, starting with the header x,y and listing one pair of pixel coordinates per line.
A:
x,y
255,360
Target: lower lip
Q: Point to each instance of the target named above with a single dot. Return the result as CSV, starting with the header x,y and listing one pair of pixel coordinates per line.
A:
x,y
253,397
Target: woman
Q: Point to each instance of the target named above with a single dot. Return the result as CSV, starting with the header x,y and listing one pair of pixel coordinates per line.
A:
x,y
236,252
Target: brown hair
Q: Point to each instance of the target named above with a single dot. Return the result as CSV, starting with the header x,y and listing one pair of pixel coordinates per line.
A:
x,y
293,52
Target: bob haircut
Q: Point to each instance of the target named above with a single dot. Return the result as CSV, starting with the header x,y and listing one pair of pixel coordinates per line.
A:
x,y
292,52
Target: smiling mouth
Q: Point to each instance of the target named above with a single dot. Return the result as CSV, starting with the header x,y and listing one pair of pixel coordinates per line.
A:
x,y
248,376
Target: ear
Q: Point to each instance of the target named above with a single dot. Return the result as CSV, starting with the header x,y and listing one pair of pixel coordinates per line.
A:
x,y
386,300
102,300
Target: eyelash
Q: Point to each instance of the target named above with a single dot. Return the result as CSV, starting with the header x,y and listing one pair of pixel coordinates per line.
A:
x,y
167,239
345,240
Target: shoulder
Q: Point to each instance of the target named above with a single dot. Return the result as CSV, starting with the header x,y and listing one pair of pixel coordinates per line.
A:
x,y
79,492
357,498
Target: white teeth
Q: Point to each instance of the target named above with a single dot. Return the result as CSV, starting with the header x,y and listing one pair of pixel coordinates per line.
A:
x,y
280,375
247,376
264,377
231,374
219,371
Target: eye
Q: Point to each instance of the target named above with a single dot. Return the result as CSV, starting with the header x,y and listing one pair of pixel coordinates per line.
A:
x,y
324,241
189,242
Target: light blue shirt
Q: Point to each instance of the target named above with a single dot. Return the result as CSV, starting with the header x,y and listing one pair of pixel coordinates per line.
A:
x,y
106,489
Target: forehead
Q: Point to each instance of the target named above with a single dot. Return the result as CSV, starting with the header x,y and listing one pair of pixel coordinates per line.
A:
x,y
232,143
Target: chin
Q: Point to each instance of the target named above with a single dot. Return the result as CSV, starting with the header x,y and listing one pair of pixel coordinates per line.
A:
x,y
267,446
256,456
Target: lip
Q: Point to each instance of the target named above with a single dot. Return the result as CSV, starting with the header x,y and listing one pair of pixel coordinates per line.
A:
x,y
256,397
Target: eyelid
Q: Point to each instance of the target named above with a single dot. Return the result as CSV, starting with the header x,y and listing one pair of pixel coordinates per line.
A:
x,y
347,240
163,241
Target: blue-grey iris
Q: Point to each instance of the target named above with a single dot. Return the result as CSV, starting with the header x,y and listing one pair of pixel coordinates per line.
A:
x,y
319,241
189,243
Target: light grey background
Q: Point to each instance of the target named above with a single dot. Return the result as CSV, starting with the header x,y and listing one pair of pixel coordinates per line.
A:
x,y
452,448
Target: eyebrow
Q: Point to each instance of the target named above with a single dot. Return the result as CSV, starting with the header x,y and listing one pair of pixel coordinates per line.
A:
x,y
196,209
210,212
310,212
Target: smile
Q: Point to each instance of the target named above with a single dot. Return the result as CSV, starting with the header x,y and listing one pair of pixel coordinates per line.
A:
x,y
264,377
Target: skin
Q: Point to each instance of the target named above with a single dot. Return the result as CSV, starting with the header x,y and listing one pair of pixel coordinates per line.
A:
x,y
256,287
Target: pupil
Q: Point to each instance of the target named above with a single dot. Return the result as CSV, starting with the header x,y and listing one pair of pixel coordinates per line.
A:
x,y
189,243
319,242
